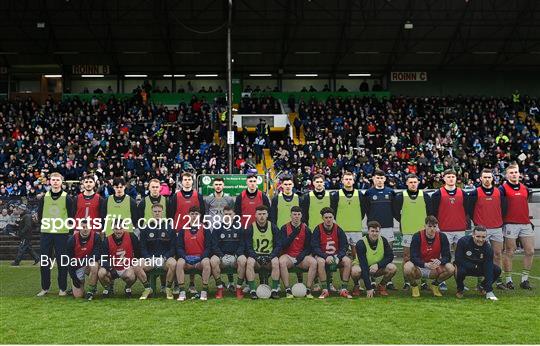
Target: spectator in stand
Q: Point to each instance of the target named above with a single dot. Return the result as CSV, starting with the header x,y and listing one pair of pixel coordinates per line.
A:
x,y
428,135
364,87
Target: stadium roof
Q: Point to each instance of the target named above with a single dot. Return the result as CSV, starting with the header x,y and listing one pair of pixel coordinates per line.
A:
x,y
292,36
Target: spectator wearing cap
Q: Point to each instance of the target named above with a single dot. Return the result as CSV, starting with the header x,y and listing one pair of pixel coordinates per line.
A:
x,y
4,221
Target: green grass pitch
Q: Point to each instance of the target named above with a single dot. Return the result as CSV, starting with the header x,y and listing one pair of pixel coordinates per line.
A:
x,y
397,319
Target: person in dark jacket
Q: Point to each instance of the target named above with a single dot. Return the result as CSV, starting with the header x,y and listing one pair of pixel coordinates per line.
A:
x,y
375,258
262,250
228,240
84,251
158,241
474,257
119,251
25,234
430,258
296,251
329,245
193,247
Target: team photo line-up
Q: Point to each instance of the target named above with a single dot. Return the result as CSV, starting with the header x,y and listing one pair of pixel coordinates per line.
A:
x,y
319,232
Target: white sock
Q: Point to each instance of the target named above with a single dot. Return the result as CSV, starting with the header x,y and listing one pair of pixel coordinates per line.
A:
x,y
524,277
508,279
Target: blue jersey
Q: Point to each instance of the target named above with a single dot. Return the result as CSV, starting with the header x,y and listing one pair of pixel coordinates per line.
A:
x,y
228,241
379,206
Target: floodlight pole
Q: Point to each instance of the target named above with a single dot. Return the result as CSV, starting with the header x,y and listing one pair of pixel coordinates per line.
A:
x,y
229,85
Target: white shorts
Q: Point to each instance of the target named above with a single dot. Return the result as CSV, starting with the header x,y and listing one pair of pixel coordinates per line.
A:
x,y
80,273
406,240
425,272
155,262
495,234
121,272
293,259
353,237
514,230
388,233
454,237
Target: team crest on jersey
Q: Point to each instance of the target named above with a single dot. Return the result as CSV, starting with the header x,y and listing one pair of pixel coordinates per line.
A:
x,y
151,235
162,234
374,197
222,236
386,196
54,210
452,200
468,253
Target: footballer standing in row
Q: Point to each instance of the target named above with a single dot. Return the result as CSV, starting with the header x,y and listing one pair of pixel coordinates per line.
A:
x,y
119,206
488,205
55,208
517,225
410,209
248,200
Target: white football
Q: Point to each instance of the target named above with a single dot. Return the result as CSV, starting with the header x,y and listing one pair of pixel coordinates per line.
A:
x,y
264,291
299,290
228,260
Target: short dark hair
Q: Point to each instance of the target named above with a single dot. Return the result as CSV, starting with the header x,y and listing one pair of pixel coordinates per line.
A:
x,y
195,209
251,175
479,228
373,224
411,176
157,205
296,209
218,179
317,176
261,207
89,177
449,171
327,210
119,181
486,170
187,174
431,220
379,173
286,177
228,207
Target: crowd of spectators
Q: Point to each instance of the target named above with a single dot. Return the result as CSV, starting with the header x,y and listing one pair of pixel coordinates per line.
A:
x,y
140,141
410,135
260,105
258,89
108,139
364,87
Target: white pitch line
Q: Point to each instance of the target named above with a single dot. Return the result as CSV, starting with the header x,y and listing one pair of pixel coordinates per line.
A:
x,y
530,276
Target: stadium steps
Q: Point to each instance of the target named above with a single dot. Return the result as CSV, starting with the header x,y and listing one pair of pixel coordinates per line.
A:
x,y
260,168
269,162
523,117
302,140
